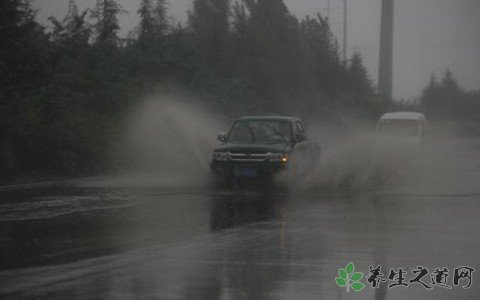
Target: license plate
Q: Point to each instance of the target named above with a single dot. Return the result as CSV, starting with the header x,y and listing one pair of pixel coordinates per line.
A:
x,y
246,172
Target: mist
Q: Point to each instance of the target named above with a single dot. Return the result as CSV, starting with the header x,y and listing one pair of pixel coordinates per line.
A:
x,y
166,141
115,181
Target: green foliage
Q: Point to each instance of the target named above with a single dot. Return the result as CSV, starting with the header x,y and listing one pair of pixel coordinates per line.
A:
x,y
153,23
358,286
65,92
208,21
340,282
357,276
106,25
349,278
445,99
342,273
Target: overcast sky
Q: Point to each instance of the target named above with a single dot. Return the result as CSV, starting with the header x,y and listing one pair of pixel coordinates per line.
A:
x,y
430,35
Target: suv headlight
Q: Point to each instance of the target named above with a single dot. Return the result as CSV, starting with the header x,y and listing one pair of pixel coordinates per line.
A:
x,y
279,157
220,156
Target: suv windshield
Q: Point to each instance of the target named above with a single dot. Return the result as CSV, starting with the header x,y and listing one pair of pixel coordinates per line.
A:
x,y
261,132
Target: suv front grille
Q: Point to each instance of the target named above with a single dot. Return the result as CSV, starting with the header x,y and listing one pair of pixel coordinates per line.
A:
x,y
248,157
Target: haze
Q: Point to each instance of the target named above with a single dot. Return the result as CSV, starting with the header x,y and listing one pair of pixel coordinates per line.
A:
x,y
430,35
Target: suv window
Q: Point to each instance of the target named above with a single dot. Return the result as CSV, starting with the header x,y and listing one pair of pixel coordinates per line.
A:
x,y
299,127
261,132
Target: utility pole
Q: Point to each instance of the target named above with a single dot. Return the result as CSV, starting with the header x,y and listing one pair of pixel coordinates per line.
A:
x,y
385,69
328,10
345,31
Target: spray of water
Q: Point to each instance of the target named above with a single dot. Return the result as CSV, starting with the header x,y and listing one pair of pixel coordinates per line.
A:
x,y
353,159
169,141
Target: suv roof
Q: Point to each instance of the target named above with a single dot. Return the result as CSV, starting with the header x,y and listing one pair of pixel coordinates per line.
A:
x,y
268,118
403,115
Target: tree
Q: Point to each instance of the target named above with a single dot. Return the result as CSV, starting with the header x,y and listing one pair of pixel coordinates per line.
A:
x,y
64,92
445,99
73,31
429,95
240,19
24,68
272,57
153,22
321,54
146,27
106,26
161,18
209,23
358,81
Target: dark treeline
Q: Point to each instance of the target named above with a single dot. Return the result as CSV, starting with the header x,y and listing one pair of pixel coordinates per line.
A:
x,y
65,90
445,100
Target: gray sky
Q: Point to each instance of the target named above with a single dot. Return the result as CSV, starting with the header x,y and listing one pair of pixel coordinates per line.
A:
x,y
430,35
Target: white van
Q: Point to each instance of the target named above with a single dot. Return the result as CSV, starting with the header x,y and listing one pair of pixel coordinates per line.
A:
x,y
408,127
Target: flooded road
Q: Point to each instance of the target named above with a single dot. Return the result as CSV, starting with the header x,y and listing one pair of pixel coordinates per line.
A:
x,y
89,239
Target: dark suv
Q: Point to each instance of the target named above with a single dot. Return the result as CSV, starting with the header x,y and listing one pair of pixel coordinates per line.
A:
x,y
259,147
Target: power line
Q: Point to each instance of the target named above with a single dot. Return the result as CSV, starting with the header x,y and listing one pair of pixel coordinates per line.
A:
x,y
328,10
345,30
385,70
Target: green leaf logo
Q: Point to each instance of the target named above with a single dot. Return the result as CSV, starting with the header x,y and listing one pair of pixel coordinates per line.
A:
x,y
349,278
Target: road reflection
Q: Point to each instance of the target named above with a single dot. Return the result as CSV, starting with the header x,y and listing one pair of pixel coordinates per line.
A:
x,y
222,244
249,228
236,209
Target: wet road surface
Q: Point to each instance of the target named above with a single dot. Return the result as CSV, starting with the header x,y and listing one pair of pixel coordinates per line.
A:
x,y
79,240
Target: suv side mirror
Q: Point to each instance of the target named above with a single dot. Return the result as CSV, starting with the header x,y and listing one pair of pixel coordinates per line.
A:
x,y
222,137
300,137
